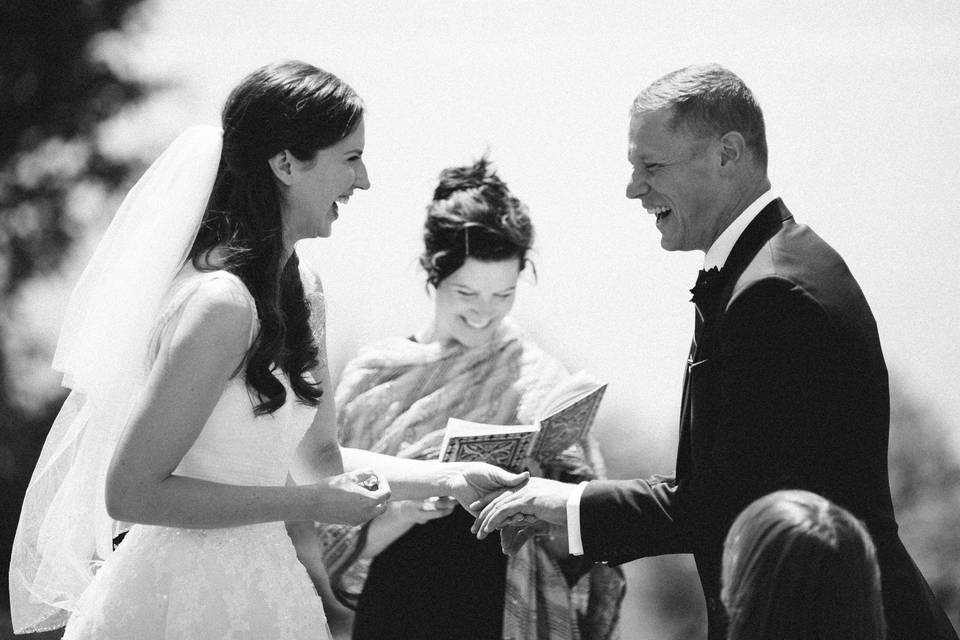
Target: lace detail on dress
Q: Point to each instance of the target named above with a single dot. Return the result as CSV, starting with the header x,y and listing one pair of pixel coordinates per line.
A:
x,y
236,583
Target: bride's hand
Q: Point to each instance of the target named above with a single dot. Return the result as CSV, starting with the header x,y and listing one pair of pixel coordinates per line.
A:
x,y
477,480
350,498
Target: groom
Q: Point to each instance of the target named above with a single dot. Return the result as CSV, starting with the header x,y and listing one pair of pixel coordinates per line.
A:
x,y
786,385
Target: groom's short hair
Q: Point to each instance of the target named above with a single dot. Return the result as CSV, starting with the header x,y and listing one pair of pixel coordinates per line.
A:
x,y
707,100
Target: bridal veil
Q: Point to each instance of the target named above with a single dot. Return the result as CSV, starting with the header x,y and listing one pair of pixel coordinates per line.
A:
x,y
64,532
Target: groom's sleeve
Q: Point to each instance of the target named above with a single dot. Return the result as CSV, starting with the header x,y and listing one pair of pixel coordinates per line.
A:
x,y
621,520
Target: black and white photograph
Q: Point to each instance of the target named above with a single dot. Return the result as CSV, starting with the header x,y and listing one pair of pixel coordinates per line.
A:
x,y
479,320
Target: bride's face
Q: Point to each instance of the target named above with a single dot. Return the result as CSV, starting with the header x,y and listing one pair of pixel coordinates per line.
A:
x,y
310,200
473,300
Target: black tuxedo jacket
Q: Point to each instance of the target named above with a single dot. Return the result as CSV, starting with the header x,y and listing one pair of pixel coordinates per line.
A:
x,y
786,387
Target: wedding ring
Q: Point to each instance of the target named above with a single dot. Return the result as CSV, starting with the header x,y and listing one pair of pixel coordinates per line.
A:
x,y
370,483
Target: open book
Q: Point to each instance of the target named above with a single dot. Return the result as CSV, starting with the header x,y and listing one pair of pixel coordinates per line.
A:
x,y
567,417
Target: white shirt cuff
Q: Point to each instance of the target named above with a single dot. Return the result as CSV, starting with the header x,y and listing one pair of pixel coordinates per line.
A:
x,y
574,543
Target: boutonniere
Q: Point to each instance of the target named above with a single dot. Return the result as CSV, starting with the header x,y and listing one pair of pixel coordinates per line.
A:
x,y
708,282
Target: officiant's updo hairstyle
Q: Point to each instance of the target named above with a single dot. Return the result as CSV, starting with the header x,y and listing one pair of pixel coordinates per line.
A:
x,y
798,567
300,108
473,214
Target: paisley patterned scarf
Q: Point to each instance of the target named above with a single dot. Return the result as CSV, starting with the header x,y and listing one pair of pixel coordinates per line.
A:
x,y
395,398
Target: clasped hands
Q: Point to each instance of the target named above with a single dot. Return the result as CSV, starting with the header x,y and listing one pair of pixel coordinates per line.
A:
x,y
517,505
521,512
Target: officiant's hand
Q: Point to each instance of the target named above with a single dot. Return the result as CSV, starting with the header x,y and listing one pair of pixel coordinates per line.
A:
x,y
474,481
538,500
514,536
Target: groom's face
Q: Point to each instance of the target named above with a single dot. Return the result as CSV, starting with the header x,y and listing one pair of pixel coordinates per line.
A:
x,y
675,176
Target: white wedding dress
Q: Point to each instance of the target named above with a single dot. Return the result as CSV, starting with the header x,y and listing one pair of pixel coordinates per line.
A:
x,y
231,584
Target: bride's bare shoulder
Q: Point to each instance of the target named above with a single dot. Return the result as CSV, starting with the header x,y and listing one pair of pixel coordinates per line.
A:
x,y
214,311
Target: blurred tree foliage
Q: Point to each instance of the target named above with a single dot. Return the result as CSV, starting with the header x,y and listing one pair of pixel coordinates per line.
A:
x,y
52,89
925,480
54,93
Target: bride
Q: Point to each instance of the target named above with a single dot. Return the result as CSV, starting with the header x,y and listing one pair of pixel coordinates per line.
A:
x,y
201,410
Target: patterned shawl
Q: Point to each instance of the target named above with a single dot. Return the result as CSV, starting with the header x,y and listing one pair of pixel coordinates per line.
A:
x,y
395,398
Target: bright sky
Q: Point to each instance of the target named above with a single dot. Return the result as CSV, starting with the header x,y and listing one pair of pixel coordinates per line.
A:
x,y
861,100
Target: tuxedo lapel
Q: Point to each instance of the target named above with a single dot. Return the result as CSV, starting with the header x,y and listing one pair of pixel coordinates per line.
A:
x,y
767,223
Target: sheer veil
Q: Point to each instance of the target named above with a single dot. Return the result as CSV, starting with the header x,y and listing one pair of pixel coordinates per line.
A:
x,y
64,531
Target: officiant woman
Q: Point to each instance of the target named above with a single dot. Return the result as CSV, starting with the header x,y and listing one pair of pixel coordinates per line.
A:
x,y
415,571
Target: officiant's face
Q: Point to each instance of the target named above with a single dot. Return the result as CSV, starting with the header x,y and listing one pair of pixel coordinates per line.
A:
x,y
675,176
473,300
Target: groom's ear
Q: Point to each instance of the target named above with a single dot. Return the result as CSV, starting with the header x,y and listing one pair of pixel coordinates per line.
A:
x,y
281,167
732,148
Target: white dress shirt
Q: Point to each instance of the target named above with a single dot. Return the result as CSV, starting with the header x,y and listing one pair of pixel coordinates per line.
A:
x,y
715,256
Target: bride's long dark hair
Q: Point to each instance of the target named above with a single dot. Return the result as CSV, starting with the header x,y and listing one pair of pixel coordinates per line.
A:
x,y
289,106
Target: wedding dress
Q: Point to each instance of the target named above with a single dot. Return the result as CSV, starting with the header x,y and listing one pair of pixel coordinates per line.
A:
x,y
232,583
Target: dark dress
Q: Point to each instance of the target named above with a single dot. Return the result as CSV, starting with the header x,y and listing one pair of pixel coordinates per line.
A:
x,y
437,581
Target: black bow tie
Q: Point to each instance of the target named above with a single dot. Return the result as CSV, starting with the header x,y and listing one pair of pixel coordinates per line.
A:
x,y
708,283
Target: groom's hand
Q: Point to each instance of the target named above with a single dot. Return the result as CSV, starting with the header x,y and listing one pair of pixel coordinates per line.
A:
x,y
538,500
477,482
